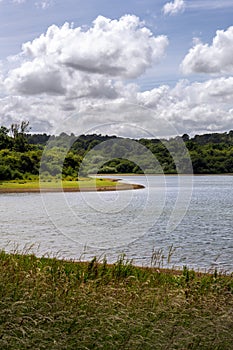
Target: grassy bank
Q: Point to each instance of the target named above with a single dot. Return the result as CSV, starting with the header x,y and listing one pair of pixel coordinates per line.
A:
x,y
53,304
85,184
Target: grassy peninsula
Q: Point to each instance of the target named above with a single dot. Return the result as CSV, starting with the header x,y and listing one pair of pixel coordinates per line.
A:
x,y
85,184
48,303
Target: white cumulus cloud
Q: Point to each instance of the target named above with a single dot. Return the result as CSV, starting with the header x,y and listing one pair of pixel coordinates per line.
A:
x,y
172,8
193,107
216,58
66,58
121,47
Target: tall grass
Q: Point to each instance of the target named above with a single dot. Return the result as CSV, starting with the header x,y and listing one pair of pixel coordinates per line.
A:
x,y
47,303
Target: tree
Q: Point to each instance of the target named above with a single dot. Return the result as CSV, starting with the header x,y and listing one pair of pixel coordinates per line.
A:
x,y
185,137
19,131
5,140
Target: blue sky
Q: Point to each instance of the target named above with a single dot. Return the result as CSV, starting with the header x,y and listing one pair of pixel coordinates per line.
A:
x,y
173,58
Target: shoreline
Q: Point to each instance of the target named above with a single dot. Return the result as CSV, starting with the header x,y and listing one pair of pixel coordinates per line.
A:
x,y
129,174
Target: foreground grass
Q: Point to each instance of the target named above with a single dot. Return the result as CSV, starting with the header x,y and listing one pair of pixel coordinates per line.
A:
x,y
81,184
52,304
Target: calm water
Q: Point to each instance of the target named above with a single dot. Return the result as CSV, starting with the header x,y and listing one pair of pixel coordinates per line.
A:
x,y
195,218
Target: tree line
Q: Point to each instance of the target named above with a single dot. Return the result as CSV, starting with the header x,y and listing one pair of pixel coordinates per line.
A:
x,y
23,154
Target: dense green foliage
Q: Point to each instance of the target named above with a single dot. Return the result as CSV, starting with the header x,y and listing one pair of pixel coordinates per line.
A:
x,y
52,304
23,155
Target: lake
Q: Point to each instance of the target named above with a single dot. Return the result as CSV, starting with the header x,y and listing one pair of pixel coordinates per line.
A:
x,y
192,216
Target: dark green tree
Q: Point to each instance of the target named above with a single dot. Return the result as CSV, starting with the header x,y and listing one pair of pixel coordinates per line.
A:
x,y
19,131
5,139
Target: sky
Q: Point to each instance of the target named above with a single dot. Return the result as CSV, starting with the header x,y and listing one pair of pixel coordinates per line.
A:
x,y
136,68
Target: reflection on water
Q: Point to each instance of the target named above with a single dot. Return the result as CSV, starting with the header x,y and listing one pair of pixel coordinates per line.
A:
x,y
130,222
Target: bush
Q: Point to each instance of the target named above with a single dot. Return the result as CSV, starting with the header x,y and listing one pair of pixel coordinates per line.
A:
x,y
5,172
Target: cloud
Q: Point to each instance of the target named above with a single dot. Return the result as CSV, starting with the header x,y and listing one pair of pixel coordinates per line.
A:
x,y
34,78
19,1
85,62
44,4
172,8
191,108
123,48
214,59
77,80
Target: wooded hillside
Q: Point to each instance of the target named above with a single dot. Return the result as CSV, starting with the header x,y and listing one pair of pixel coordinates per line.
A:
x,y
21,154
